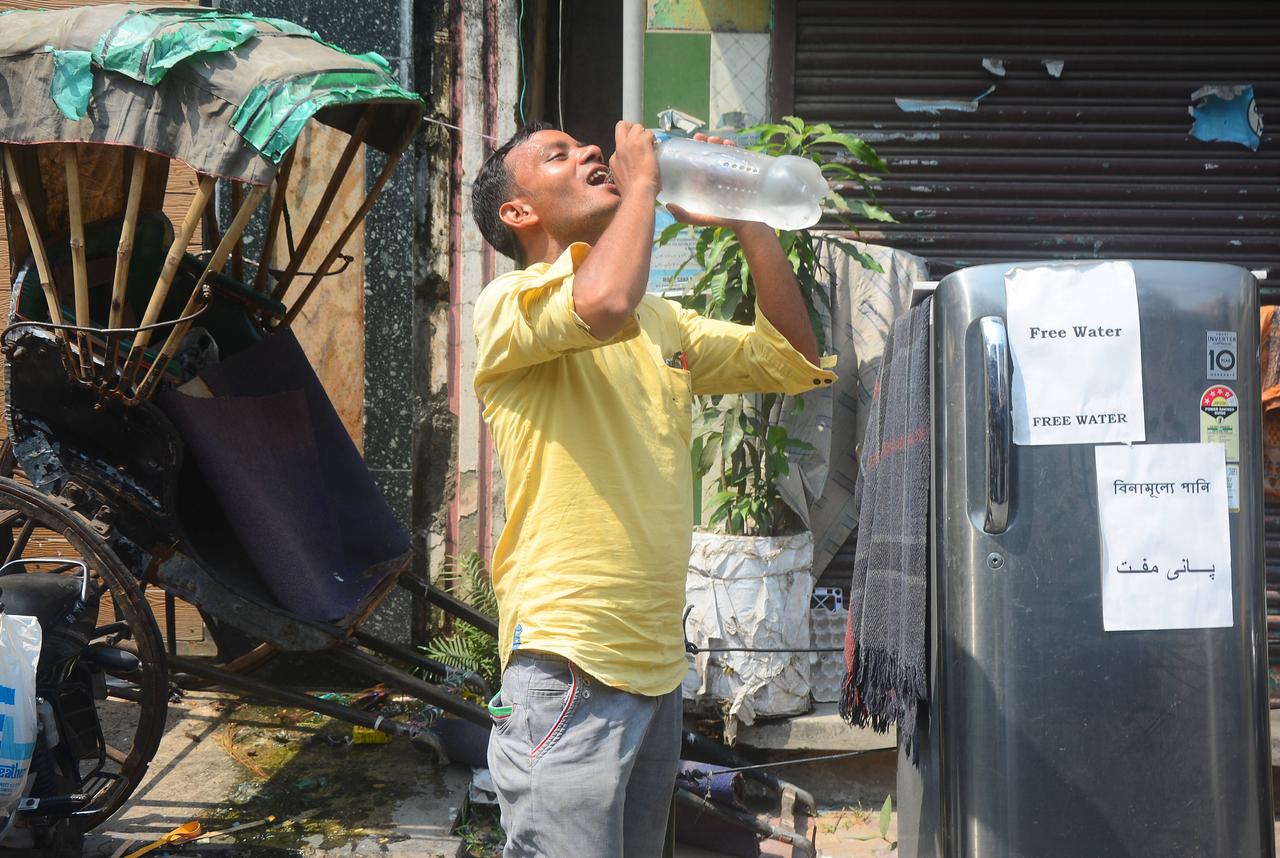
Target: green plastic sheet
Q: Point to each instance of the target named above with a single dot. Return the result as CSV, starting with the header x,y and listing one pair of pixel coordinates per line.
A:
x,y
146,45
274,114
72,82
376,58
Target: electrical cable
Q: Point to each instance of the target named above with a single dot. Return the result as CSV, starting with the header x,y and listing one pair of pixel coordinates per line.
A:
x,y
524,79
819,759
459,128
560,66
31,323
695,649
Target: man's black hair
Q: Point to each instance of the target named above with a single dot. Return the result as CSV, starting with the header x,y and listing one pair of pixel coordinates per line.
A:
x,y
493,187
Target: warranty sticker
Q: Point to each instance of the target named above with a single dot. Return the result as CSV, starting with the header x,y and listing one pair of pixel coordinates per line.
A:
x,y
1220,357
1233,488
1220,419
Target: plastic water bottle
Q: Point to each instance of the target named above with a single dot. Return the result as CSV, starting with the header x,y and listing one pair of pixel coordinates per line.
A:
x,y
723,181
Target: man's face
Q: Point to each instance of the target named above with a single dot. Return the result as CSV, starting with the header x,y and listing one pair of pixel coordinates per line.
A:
x,y
565,184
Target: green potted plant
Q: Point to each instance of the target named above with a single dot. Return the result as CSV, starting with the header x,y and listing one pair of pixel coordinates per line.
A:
x,y
753,539
469,651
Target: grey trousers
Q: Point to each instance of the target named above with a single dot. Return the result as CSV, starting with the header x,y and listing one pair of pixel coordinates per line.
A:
x,y
582,770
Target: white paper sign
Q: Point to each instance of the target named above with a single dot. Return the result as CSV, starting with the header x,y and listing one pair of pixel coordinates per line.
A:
x,y
1077,355
1166,544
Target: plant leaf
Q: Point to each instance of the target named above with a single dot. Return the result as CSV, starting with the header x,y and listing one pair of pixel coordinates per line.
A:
x,y
707,458
843,170
669,232
886,816
731,440
856,147
871,211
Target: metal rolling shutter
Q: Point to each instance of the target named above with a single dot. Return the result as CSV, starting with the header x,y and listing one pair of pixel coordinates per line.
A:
x,y
1096,163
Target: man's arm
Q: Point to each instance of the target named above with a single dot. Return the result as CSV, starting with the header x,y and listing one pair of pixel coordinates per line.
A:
x,y
777,292
608,286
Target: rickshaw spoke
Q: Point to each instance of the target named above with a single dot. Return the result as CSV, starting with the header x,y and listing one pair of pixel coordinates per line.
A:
x,y
20,543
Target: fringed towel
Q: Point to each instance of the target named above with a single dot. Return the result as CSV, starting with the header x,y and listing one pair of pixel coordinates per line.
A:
x,y
884,650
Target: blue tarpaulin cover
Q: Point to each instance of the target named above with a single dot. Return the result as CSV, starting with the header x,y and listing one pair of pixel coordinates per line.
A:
x,y
1228,114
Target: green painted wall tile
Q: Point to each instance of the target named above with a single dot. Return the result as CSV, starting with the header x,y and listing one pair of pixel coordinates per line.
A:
x,y
742,16
677,73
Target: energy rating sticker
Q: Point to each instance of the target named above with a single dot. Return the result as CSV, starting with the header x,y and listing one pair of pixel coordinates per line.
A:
x,y
1220,419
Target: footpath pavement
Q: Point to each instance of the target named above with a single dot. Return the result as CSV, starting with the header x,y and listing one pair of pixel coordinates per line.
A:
x,y
224,763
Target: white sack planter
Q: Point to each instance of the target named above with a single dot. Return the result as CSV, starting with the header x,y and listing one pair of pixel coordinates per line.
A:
x,y
750,591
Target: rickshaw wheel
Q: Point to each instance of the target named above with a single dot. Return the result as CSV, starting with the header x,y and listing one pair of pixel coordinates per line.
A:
x,y
133,714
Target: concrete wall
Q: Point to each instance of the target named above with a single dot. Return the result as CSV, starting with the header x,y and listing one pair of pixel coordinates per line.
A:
x,y
474,80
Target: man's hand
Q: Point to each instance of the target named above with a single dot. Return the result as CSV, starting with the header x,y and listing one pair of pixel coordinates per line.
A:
x,y
634,164
611,282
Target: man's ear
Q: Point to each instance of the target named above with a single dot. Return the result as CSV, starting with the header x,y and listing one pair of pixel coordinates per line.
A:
x,y
517,214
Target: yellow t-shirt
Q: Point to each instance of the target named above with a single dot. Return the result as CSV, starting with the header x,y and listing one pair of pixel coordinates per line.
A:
x,y
593,438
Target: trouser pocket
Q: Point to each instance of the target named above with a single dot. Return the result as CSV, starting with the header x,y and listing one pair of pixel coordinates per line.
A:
x,y
553,693
499,712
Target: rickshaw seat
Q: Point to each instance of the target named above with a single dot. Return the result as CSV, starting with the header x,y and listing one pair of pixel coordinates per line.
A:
x,y
228,319
45,597
290,482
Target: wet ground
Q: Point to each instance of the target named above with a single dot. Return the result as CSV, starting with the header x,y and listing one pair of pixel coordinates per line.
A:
x,y
225,764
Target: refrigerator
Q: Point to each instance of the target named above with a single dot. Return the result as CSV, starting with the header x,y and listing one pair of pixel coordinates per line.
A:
x,y
1046,735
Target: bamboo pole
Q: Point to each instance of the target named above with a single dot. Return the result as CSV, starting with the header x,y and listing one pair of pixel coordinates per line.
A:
x,y
237,255
176,251
216,262
124,255
326,200
37,248
79,264
323,268
273,221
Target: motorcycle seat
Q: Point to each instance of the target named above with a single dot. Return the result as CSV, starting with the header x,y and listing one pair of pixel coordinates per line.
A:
x,y
35,594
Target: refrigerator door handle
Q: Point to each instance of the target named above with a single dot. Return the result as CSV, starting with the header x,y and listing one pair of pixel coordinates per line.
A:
x,y
995,372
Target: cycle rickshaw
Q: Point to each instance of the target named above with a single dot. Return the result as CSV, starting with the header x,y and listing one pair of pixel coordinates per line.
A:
x,y
166,432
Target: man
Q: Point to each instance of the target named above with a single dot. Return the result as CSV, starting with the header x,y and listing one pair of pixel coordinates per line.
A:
x,y
587,385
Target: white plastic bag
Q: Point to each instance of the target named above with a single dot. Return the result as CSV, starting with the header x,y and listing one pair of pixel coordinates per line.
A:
x,y
19,654
751,592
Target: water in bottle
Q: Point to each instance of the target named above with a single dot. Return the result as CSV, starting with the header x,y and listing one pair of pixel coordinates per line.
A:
x,y
723,181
